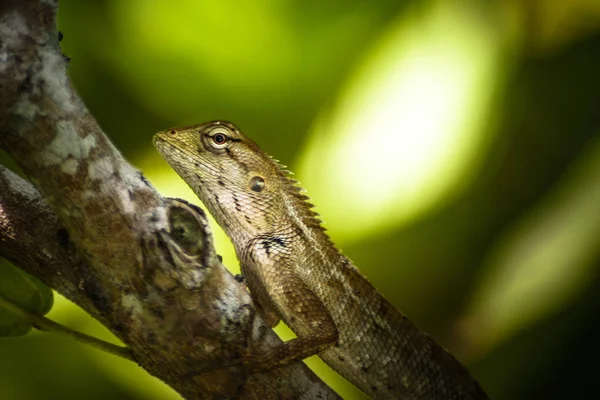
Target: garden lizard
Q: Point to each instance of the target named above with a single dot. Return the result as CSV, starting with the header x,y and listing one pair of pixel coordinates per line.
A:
x,y
296,274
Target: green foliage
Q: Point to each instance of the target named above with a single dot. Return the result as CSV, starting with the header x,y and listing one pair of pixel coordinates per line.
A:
x,y
25,292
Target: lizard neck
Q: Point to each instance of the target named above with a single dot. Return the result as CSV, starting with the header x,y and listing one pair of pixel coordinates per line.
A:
x,y
289,217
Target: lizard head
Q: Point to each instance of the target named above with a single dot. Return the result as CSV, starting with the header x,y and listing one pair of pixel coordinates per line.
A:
x,y
242,186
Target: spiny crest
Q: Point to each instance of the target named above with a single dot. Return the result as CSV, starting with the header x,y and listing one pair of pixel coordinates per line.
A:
x,y
293,188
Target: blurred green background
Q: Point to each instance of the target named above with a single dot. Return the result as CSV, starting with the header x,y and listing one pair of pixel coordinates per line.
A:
x,y
452,147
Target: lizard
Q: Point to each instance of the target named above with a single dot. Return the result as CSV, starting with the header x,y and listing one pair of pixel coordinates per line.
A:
x,y
296,274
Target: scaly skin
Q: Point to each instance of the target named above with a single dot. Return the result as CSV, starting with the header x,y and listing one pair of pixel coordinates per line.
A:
x,y
296,273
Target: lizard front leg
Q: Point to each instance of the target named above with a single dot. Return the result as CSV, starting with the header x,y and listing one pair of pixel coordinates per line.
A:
x,y
278,289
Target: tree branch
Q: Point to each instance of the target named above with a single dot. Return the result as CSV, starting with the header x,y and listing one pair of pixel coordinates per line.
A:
x,y
97,232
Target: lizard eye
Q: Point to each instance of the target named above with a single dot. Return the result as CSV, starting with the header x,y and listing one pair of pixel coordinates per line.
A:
x,y
219,139
257,184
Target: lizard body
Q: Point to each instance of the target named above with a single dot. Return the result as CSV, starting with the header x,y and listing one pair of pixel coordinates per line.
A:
x,y
295,272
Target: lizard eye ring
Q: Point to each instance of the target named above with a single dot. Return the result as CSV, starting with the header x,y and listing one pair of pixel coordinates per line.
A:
x,y
218,139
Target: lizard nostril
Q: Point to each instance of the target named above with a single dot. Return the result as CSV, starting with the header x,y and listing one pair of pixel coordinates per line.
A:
x,y
173,132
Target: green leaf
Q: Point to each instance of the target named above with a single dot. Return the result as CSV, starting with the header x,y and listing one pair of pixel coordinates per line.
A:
x,y
25,292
